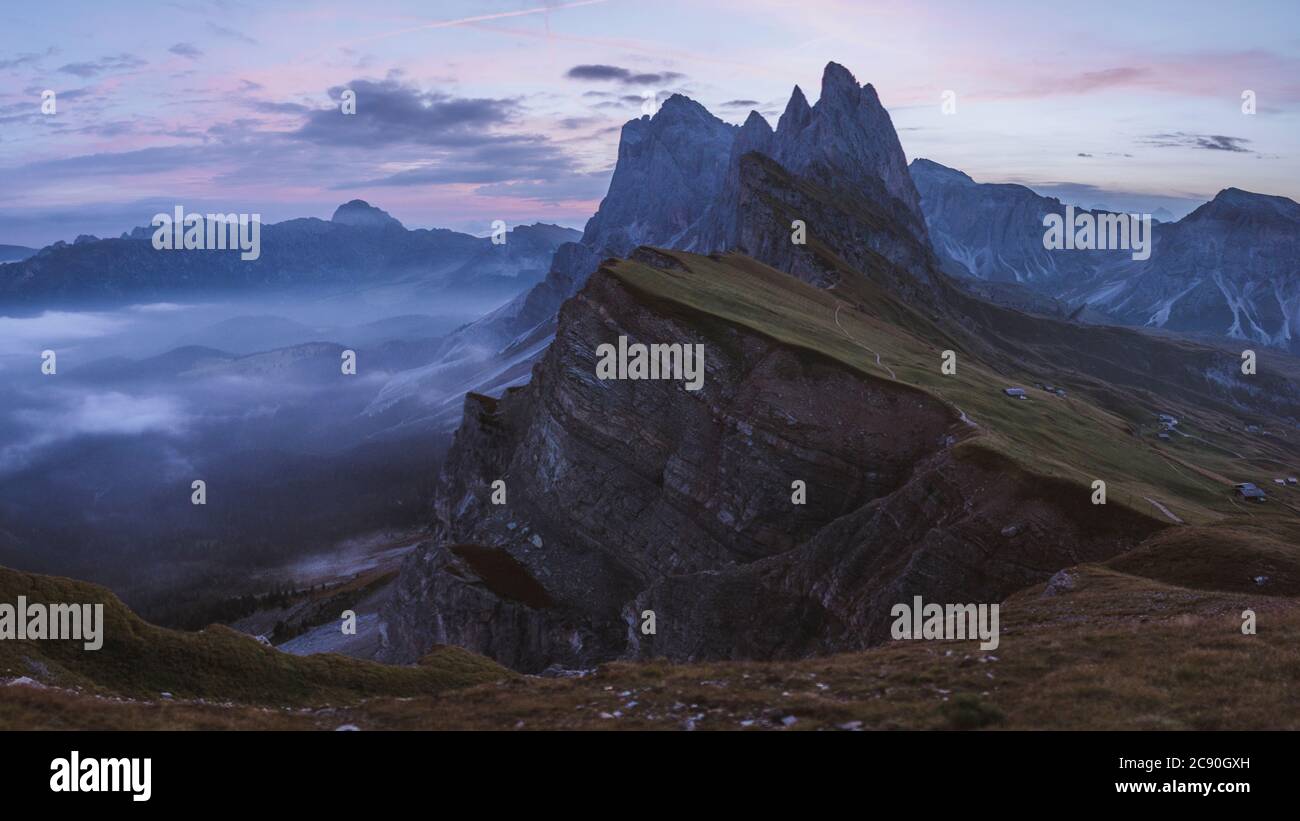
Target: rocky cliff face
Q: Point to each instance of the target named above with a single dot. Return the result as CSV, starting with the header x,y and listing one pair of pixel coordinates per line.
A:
x,y
613,485
847,142
967,526
625,496
670,169
1230,268
859,232
995,232
838,168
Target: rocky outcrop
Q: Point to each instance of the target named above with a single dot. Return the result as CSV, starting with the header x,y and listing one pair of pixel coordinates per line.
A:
x,y
844,234
847,142
838,168
613,486
967,527
626,496
670,170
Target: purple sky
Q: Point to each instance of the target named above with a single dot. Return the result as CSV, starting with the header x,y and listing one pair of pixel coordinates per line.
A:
x,y
469,112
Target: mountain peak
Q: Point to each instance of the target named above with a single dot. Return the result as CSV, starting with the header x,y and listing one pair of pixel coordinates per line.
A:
x,y
923,168
676,113
797,113
1233,201
680,107
670,167
755,124
754,135
848,139
362,214
838,83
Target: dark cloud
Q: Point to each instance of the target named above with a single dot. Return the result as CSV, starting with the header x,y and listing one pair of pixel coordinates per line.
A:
x,y
280,108
661,78
121,62
1209,142
435,138
186,50
389,112
441,139
740,104
1081,154
597,72
622,75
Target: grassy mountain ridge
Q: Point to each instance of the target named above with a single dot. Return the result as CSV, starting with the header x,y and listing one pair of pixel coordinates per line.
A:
x,y
1095,432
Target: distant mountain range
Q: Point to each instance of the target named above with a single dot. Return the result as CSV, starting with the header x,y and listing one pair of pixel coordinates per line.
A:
x,y
1231,268
359,245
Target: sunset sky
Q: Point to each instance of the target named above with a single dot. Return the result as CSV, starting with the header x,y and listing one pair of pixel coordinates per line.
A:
x,y
468,112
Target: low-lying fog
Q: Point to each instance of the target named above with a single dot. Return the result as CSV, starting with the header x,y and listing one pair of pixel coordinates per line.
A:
x,y
97,459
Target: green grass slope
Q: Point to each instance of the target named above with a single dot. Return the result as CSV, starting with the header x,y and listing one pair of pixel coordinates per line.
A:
x,y
1098,431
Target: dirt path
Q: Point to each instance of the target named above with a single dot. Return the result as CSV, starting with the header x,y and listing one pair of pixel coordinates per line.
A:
x,y
966,418
880,364
1164,510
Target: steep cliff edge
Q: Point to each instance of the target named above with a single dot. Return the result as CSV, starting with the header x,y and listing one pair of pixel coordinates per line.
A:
x,y
632,495
612,485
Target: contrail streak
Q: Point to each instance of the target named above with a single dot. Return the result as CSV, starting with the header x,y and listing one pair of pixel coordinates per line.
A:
x,y
481,18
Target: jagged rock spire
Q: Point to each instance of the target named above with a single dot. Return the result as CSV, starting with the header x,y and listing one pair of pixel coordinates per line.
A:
x,y
797,113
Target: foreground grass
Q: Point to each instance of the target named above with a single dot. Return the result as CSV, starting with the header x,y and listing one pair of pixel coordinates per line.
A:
x,y
141,661
1114,651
